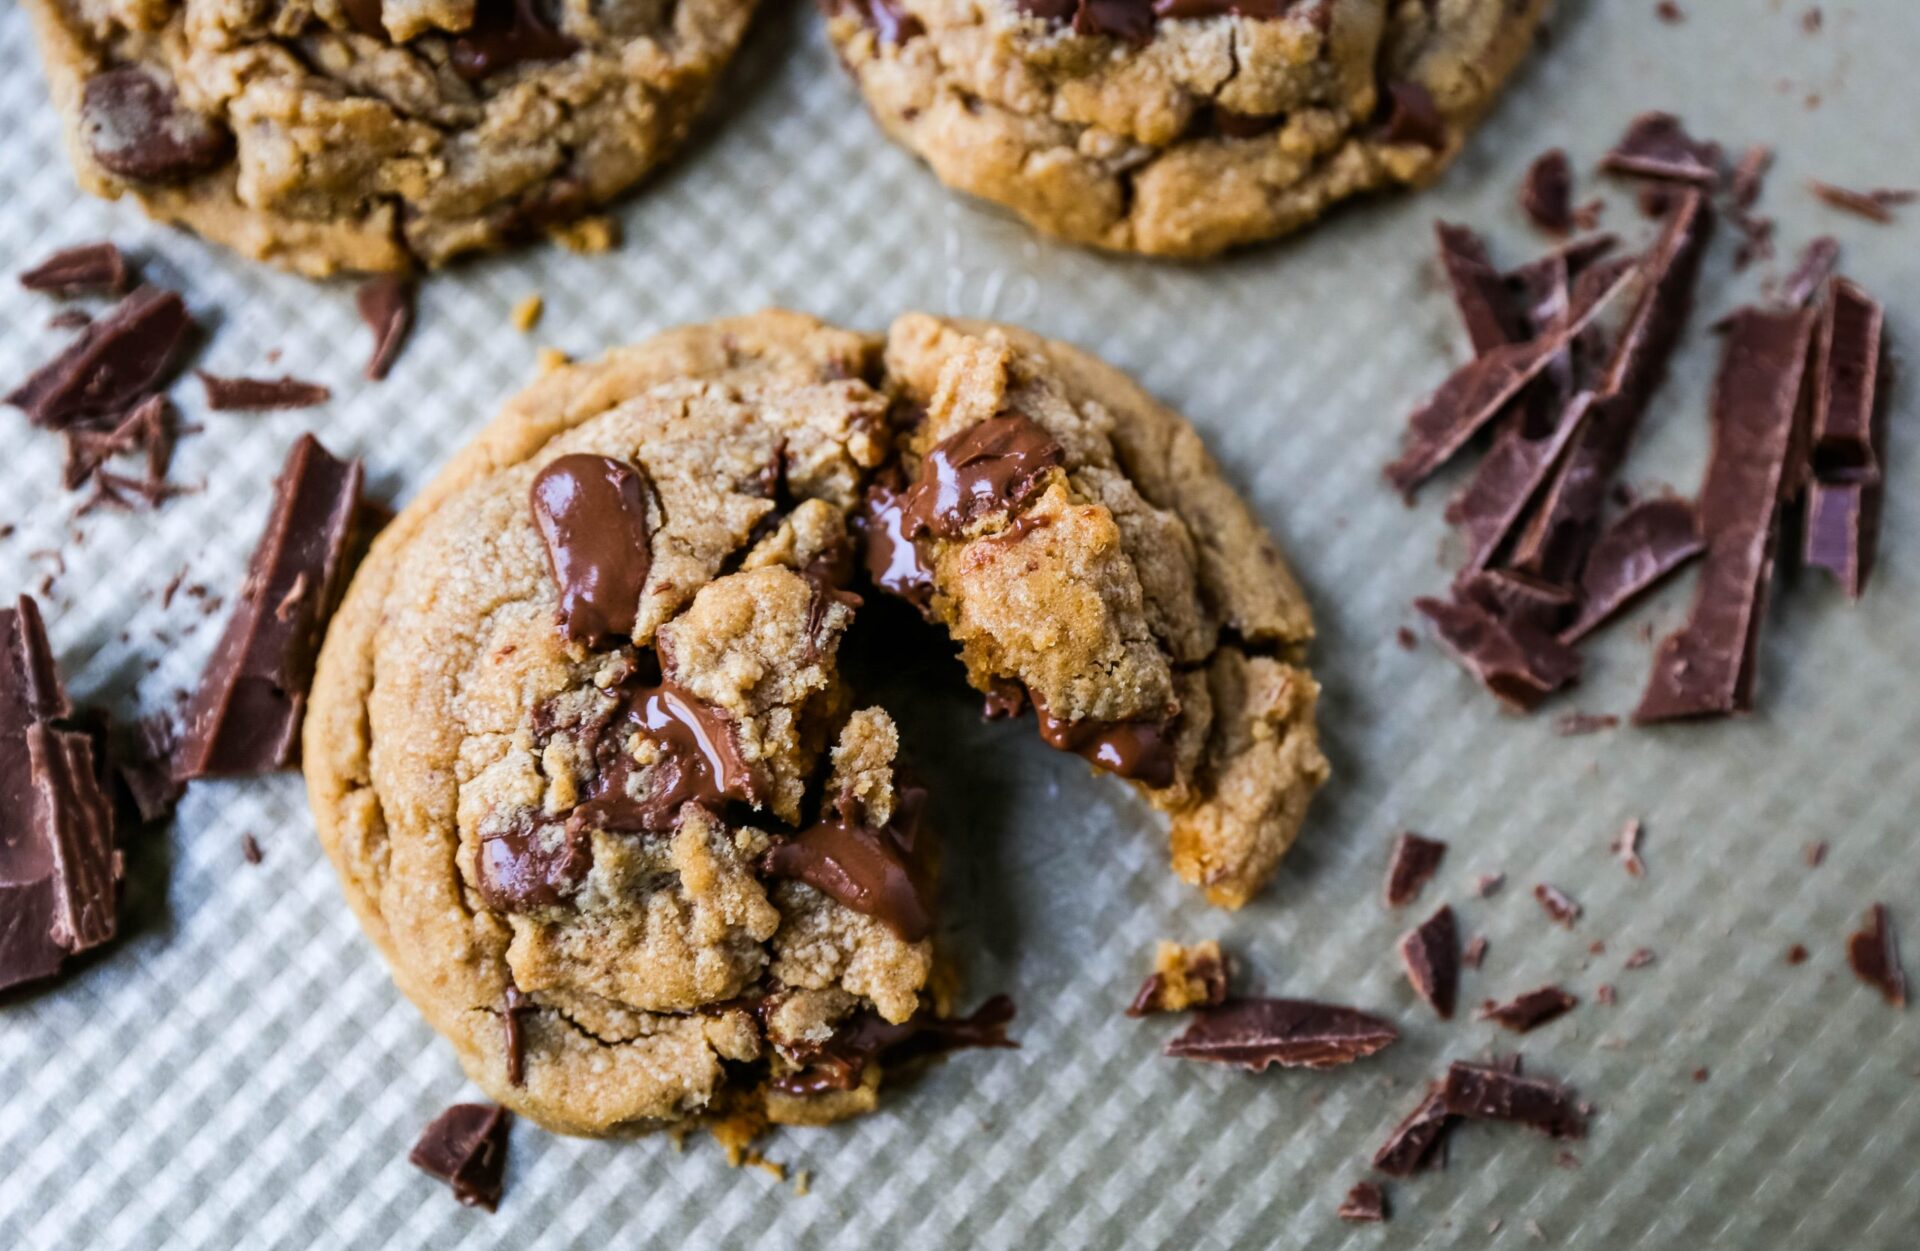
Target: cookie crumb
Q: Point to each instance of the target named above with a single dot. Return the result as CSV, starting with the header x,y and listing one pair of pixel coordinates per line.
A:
x,y
250,849
588,236
526,314
550,359
803,1183
1182,978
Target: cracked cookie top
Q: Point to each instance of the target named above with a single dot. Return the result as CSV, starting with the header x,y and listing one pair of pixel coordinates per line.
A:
x,y
583,754
1179,127
322,135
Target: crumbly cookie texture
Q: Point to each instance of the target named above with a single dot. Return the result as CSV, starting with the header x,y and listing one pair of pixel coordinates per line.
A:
x,y
583,756
327,135
1103,124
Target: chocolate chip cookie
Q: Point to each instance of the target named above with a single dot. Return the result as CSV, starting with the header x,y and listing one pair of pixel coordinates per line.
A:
x,y
1180,127
323,135
583,752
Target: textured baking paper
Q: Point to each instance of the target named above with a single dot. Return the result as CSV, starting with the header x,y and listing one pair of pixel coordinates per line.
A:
x,y
240,1073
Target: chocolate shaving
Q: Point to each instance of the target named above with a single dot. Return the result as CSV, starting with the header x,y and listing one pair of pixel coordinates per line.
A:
x,y
245,717
1365,1204
386,305
1843,499
882,872
1656,145
1558,905
1431,955
1418,1142
1876,205
1575,724
1411,867
466,1147
506,33
1643,547
1481,293
86,269
1254,1034
1475,952
1483,1092
258,395
864,1039
1815,266
1875,958
1546,196
1520,663
1530,1010
111,365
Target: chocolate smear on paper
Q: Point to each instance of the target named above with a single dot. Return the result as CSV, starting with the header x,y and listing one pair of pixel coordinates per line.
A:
x,y
1546,195
1418,1142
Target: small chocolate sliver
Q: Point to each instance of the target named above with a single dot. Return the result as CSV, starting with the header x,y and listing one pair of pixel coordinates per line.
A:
x,y
1520,663
1852,327
1656,145
466,1147
1531,1010
244,718
386,305
1875,957
1482,1092
1508,478
1575,724
1707,667
592,512
1875,206
1413,117
993,466
87,269
1841,521
1475,953
865,1038
1415,860
110,365
259,395
1142,751
1641,549
1557,904
1810,273
1365,1204
250,849
1431,956
133,126
1255,1034
882,873
1418,1142
1547,194
506,33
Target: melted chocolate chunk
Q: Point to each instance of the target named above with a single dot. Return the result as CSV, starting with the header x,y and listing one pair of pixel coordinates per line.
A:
x,y
1547,194
1707,667
893,559
1431,956
466,1147
1483,1092
1531,1010
1418,1142
1365,1204
506,33
592,515
133,125
1656,145
865,1038
1255,1034
1005,701
112,364
884,873
88,269
245,716
59,869
259,395
1142,751
541,866
1642,548
1412,866
1520,663
696,759
1557,904
1413,117
386,305
1875,958
992,467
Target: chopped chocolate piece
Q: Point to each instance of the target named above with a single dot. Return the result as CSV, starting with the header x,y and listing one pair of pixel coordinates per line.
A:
x,y
386,305
1797,954
1407,639
1816,854
1521,664
884,872
593,515
1183,978
991,467
513,1005
1574,724
250,849
864,1038
88,269
1508,479
245,717
466,1147
1744,189
1529,1011
1562,909
1431,956
1411,866
1254,1034
1604,993
1140,750
1841,521
257,395
1875,958
1876,205
1627,847
133,126
59,869
1707,667
1640,958
1475,952
1512,597
146,770
1418,1142
1669,12
1365,1204
1481,294
111,365
1816,265
1413,117
1656,145
1642,548
1547,194
506,33
1489,884
1846,392
1486,1093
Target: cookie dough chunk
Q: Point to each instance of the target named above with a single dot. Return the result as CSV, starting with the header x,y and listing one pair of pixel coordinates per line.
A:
x,y
1180,127
326,135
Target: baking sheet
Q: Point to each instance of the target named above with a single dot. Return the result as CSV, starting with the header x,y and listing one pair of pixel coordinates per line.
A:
x,y
239,1072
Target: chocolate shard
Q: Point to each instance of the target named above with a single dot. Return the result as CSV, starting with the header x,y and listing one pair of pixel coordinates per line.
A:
x,y
1546,196
1875,957
1656,145
85,269
1365,1204
1842,518
1481,294
114,362
1876,205
1488,512
885,872
1641,549
1482,1092
595,516
1520,663
1530,1010
1810,273
1514,597
245,716
466,1147
260,395
386,305
1418,1142
1707,667
60,869
1557,904
1255,1034
1412,865
1430,954
864,1039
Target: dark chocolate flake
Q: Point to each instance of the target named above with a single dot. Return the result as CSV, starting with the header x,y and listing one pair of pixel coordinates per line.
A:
x,y
1418,1142
1641,549
1656,145
1875,957
1530,1010
258,395
1557,904
1547,194
1414,861
112,364
86,269
1430,954
466,1147
1255,1034
386,305
1365,1204
1488,1093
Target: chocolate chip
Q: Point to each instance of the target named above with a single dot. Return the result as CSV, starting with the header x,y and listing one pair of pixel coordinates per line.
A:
x,y
1546,196
1142,751
1656,145
386,305
88,269
132,123
1530,1010
1816,265
1365,1204
1487,1093
1254,1034
1519,663
111,365
256,395
1430,954
593,515
1557,904
466,1147
1875,958
839,1063
1412,865
1418,1142
883,872
244,718
506,33
993,466
1642,548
